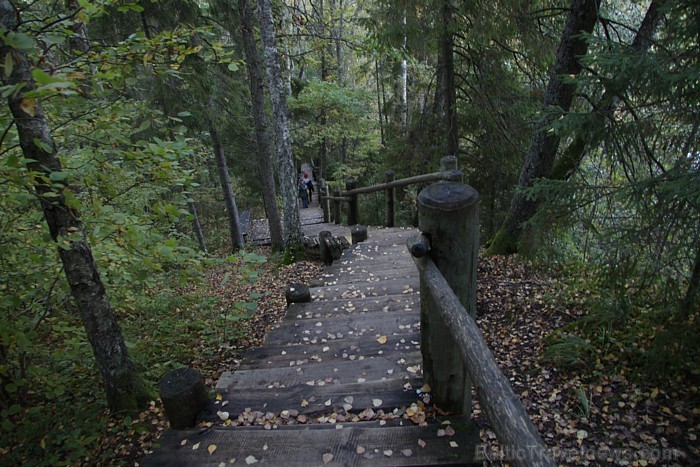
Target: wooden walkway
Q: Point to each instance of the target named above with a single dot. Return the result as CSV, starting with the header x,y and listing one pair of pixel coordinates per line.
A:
x,y
338,381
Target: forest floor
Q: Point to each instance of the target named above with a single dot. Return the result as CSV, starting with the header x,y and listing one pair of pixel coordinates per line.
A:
x,y
597,413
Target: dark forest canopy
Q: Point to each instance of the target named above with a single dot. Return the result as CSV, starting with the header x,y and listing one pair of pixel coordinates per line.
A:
x,y
576,121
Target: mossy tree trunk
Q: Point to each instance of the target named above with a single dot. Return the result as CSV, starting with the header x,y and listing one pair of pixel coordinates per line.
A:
x,y
540,156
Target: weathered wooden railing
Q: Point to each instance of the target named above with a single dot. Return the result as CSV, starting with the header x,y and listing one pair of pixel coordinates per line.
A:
x,y
331,205
455,355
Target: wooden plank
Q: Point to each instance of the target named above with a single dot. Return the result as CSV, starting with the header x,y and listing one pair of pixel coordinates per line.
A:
x,y
368,326
361,290
396,347
343,372
407,302
345,399
358,444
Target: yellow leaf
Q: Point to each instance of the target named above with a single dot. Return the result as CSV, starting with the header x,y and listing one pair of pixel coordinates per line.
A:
x,y
28,106
382,340
654,393
211,449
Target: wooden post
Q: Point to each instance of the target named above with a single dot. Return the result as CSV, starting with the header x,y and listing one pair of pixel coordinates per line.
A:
x,y
450,172
183,395
323,201
449,216
324,249
389,176
336,206
351,184
297,293
358,234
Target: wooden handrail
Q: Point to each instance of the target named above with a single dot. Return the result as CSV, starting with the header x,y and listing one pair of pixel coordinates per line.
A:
x,y
448,172
506,414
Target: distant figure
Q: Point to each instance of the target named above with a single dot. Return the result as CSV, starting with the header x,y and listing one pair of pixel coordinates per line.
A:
x,y
309,186
303,193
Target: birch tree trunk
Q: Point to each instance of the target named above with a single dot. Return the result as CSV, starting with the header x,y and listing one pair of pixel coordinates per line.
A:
x,y
293,237
260,122
123,385
540,156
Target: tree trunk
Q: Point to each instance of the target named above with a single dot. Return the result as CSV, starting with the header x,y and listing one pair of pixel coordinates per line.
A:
x,y
567,164
123,385
197,226
544,144
225,180
448,76
287,172
260,122
379,101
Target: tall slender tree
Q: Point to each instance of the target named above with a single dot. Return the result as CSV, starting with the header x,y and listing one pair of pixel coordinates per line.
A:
x,y
285,159
123,385
260,122
540,156
234,223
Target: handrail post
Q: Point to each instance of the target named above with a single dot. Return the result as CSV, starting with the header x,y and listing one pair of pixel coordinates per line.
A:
x,y
450,172
336,206
351,184
389,177
449,216
323,201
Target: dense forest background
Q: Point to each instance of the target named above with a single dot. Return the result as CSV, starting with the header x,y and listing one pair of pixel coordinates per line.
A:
x,y
137,130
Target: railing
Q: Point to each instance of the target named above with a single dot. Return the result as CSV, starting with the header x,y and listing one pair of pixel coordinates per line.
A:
x,y
455,355
331,205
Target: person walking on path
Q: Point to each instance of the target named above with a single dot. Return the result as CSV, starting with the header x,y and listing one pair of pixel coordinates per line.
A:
x,y
309,186
303,193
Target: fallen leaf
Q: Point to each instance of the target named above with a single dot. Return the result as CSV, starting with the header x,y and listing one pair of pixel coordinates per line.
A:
x,y
421,443
376,402
250,460
388,453
211,449
407,452
453,444
327,457
195,446
360,450
382,339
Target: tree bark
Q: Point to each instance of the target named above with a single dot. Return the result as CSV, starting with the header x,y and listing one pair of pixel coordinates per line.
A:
x,y
197,226
448,84
225,180
123,385
567,164
260,122
293,236
540,156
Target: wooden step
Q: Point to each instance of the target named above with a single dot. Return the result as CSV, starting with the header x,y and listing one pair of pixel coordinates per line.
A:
x,y
348,444
285,355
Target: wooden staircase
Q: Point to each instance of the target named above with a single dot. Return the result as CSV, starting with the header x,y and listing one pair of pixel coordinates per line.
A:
x,y
338,381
